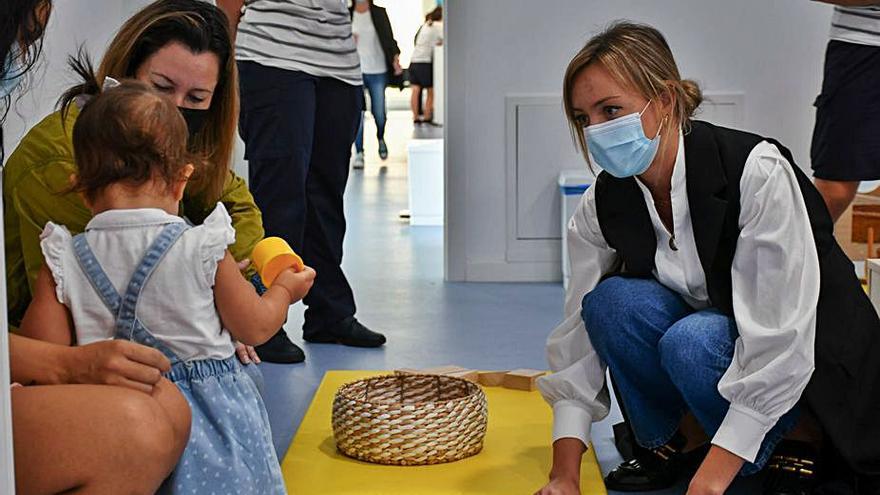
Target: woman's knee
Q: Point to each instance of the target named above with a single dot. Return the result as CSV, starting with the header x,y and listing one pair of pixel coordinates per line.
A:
x,y
696,349
613,300
160,428
177,414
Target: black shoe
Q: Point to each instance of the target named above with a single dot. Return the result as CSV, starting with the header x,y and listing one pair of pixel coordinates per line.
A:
x,y
656,469
279,349
348,332
383,149
791,469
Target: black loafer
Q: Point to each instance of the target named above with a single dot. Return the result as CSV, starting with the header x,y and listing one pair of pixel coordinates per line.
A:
x,y
279,349
348,332
791,469
656,469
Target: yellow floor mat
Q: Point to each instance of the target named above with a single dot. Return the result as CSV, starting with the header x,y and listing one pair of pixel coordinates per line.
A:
x,y
515,458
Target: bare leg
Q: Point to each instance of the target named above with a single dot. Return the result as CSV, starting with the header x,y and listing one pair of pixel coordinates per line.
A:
x,y
414,100
96,439
429,105
837,194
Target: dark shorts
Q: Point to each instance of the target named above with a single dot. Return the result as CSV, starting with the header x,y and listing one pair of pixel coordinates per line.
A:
x,y
421,74
846,139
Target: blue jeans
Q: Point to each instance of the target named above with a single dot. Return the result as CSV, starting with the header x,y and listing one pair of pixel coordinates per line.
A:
x,y
375,84
666,359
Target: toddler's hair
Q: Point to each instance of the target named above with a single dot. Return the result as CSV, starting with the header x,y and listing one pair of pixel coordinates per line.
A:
x,y
131,134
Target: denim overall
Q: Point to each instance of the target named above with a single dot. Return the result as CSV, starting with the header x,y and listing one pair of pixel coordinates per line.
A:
x,y
230,444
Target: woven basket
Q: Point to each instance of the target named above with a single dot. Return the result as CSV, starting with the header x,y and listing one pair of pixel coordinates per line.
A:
x,y
410,420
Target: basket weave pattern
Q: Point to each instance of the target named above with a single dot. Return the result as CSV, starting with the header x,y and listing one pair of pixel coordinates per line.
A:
x,y
410,420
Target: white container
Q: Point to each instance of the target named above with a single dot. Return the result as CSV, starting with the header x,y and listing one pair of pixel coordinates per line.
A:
x,y
572,185
425,181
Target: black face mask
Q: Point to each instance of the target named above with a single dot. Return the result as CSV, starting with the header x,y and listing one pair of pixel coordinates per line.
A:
x,y
195,120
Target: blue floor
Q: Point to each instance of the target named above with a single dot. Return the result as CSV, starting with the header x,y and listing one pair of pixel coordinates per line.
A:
x,y
397,275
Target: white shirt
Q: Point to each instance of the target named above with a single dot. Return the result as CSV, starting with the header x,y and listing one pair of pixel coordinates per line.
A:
x,y
775,278
177,303
860,25
368,46
427,39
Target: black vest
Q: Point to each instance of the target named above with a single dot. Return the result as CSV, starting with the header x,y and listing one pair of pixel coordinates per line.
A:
x,y
844,391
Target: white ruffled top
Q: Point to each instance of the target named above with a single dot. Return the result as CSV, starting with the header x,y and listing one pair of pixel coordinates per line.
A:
x,y
177,303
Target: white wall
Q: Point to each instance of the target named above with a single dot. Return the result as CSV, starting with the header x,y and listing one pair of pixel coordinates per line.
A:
x,y
73,22
770,51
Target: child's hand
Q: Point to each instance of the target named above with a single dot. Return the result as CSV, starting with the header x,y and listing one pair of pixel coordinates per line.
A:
x,y
296,284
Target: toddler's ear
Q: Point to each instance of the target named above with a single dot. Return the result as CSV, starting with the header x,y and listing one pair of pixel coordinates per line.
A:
x,y
180,185
187,171
85,200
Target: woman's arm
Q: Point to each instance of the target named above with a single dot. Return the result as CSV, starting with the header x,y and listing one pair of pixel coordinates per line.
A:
x,y
250,318
232,9
109,362
565,475
775,281
576,390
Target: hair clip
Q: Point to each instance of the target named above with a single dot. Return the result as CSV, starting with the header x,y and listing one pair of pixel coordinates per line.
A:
x,y
109,83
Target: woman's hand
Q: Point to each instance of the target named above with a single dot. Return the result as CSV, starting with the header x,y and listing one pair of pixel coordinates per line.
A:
x,y
565,475
115,362
560,486
246,353
716,473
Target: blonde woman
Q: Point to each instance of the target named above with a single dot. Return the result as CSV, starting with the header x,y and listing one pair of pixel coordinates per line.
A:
x,y
183,49
706,278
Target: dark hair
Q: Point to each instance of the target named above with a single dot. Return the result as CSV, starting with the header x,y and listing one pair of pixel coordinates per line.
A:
x,y
129,134
202,28
434,15
21,25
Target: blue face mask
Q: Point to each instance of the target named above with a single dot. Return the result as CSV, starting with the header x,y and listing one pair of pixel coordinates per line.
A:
x,y
11,73
620,146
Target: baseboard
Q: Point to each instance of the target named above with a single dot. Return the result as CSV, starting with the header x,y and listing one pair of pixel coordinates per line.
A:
x,y
494,271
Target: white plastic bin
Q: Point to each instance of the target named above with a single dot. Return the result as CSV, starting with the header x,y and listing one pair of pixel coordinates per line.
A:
x,y
572,185
425,181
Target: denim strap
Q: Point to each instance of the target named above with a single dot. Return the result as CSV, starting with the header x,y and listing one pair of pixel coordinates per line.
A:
x,y
125,322
96,275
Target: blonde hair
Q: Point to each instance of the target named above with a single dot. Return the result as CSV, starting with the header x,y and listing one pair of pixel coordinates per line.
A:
x,y
202,28
638,57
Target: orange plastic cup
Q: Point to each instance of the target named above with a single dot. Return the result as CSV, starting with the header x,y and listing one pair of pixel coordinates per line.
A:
x,y
271,256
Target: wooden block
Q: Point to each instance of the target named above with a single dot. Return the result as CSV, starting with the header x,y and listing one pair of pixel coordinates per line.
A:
x,y
491,378
523,379
470,375
443,370
439,370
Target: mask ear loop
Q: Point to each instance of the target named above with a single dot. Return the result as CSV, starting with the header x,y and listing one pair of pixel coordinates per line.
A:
x,y
660,129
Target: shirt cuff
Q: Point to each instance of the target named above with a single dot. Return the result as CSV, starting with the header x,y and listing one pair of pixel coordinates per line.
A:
x,y
570,420
742,432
